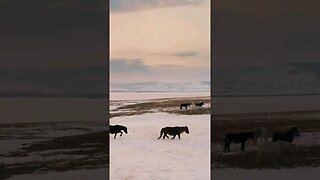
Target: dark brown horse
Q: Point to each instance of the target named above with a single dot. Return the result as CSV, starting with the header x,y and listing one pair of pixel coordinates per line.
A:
x,y
287,136
200,104
185,105
117,129
237,138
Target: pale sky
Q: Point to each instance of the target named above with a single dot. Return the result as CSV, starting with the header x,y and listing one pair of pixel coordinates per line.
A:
x,y
159,40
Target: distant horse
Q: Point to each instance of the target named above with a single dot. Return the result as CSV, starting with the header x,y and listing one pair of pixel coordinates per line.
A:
x,y
287,136
117,129
200,104
237,138
185,105
260,132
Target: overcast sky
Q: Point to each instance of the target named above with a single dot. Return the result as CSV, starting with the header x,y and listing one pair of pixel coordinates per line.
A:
x,y
265,32
159,40
52,34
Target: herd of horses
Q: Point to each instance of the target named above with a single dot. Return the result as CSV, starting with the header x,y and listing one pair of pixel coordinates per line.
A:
x,y
186,105
281,141
173,131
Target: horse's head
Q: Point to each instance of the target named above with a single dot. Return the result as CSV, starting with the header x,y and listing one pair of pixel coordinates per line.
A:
x,y
186,129
125,130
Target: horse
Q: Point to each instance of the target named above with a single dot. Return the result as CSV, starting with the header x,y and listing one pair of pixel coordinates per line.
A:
x,y
185,105
117,129
200,104
259,132
237,138
287,136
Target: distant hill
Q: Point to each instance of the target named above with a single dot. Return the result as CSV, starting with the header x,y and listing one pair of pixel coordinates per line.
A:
x,y
285,79
159,86
83,82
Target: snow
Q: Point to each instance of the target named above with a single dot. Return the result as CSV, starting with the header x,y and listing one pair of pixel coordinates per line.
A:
x,y
82,174
308,139
138,155
154,95
266,174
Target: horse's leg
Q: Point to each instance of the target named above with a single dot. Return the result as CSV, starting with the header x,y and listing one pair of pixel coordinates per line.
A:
x,y
173,137
179,136
115,135
121,133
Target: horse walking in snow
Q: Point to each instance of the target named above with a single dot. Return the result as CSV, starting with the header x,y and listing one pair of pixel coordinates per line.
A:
x,y
117,129
237,138
287,136
200,104
261,133
185,105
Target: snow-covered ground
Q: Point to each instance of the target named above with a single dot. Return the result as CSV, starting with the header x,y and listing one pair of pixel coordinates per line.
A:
x,y
16,137
153,95
266,174
69,175
138,155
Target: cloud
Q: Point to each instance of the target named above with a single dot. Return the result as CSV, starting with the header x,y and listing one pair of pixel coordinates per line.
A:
x,y
136,5
34,18
134,70
186,53
46,34
255,38
179,54
128,66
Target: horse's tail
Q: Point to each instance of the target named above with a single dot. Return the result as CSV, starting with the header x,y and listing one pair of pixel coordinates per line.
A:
x,y
161,133
180,106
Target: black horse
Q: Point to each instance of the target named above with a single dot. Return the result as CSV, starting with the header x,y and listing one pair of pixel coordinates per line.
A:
x,y
287,136
200,104
237,138
117,129
185,105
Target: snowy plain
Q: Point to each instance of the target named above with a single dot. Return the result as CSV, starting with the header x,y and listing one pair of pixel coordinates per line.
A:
x,y
266,174
93,174
153,95
138,155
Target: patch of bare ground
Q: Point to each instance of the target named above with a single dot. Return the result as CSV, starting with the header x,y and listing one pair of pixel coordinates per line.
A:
x,y
169,105
306,156
92,148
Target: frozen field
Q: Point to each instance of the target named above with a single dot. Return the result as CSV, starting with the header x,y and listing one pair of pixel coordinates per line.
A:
x,y
266,174
303,164
138,155
153,95
94,174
